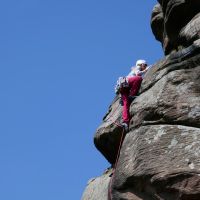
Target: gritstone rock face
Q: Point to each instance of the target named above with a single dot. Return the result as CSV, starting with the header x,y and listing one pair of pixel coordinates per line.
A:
x,y
175,23
160,155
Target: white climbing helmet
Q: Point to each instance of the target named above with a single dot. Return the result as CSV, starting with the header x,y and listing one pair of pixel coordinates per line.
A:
x,y
139,62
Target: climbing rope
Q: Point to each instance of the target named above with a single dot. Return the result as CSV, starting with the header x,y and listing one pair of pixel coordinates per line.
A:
x,y
118,151
116,161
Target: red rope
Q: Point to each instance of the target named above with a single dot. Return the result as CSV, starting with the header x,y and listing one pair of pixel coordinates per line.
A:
x,y
118,152
117,158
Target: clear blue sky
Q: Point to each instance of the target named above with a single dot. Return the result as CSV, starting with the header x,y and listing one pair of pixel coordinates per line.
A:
x,y
59,62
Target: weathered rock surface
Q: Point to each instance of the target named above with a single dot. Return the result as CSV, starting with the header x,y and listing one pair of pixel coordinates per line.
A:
x,y
157,22
174,99
160,155
191,31
97,188
159,101
171,21
108,135
159,162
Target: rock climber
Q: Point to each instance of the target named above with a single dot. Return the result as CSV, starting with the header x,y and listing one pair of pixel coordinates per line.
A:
x,y
130,90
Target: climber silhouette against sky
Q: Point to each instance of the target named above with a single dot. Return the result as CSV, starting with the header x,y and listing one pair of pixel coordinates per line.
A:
x,y
130,90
